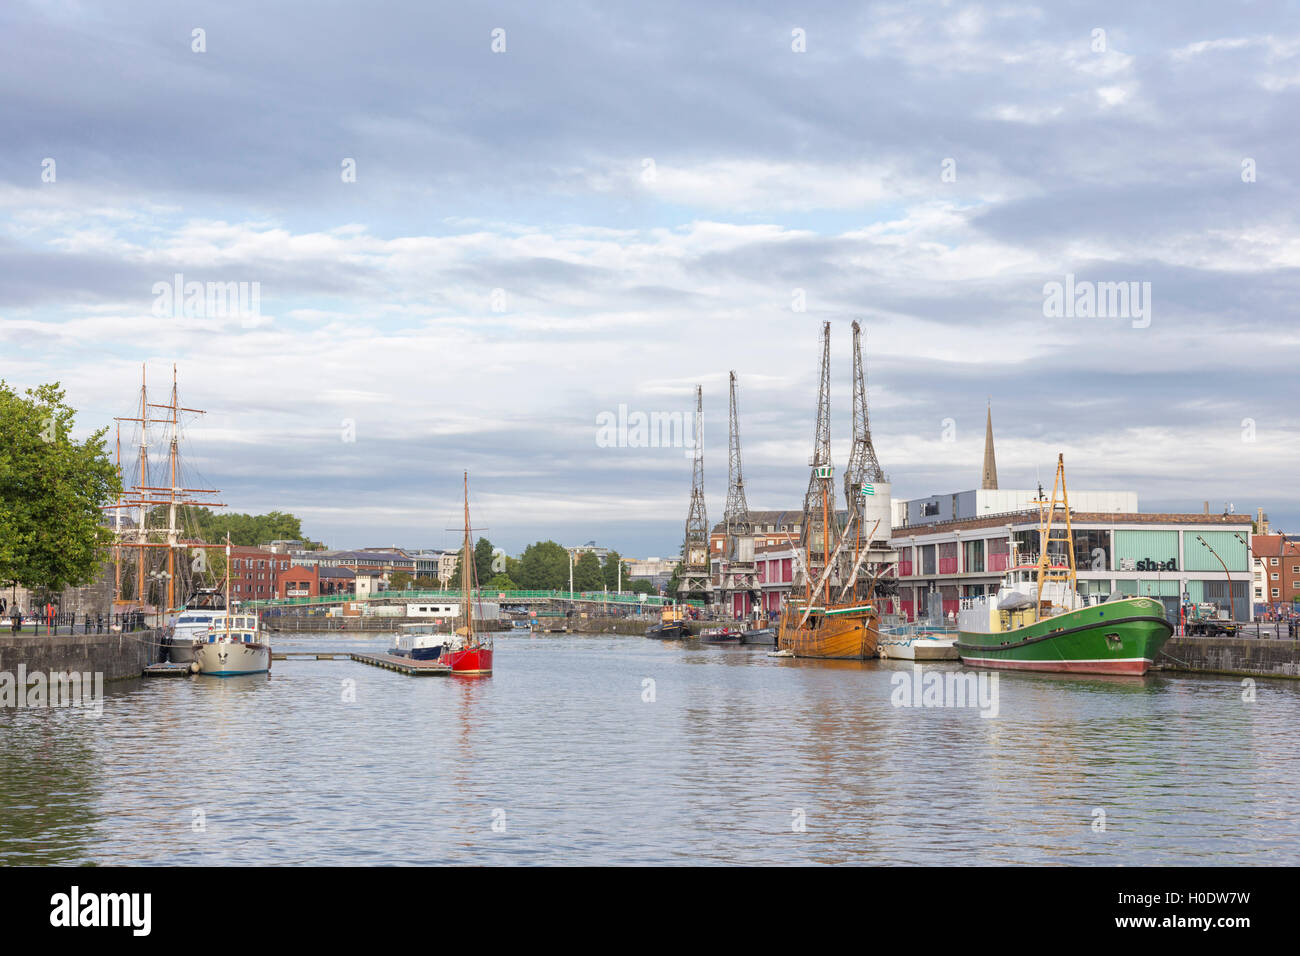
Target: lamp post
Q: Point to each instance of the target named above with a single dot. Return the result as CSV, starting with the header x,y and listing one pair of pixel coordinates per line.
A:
x,y
1232,600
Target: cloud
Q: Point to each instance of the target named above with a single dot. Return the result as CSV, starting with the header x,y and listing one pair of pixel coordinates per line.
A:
x,y
503,269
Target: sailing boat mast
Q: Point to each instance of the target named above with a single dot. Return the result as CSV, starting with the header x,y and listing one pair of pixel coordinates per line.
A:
x,y
117,521
143,495
171,505
227,617
142,479
466,569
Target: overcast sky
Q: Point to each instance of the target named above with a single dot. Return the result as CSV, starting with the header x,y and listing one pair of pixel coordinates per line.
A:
x,y
616,206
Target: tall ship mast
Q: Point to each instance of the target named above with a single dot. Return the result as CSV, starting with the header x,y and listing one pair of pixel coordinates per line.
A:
x,y
821,623
157,550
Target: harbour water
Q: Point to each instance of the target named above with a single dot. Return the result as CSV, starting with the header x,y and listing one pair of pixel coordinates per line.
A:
x,y
623,750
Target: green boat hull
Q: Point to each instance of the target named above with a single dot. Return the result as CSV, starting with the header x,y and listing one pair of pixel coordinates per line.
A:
x,y
1118,637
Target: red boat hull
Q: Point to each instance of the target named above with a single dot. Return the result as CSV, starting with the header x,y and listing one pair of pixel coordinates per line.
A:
x,y
470,660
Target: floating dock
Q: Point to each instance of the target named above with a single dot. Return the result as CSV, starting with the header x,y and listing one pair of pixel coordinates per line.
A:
x,y
167,670
403,665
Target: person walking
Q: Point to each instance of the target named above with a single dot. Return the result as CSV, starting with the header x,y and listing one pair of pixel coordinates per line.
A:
x,y
16,616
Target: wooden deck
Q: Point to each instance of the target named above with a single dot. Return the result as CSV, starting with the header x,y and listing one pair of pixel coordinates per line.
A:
x,y
403,665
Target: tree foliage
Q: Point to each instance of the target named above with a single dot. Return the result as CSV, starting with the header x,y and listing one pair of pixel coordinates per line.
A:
x,y
610,571
245,530
544,566
587,573
52,492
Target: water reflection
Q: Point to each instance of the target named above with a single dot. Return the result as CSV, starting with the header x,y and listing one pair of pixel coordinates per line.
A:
x,y
726,759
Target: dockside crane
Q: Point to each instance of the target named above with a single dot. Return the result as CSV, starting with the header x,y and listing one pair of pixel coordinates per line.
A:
x,y
818,527
694,578
865,484
739,572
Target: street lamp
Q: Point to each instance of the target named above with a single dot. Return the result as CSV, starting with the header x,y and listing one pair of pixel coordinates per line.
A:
x,y
1232,600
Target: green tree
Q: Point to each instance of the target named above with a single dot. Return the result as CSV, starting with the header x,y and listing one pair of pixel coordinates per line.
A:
x,y
610,571
483,569
501,582
482,563
674,582
399,581
245,529
587,574
641,587
52,492
427,583
544,566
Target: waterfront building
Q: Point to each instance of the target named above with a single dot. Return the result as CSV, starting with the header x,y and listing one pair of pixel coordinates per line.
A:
x,y
1170,557
589,548
380,561
658,571
981,502
253,573
428,563
1277,573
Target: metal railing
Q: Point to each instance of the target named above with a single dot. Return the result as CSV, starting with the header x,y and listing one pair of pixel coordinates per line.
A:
x,y
492,595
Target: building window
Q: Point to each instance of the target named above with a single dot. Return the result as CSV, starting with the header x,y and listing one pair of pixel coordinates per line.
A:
x,y
1277,593
1273,576
1273,561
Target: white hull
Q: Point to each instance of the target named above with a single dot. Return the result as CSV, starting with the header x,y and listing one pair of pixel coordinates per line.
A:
x,y
918,649
227,658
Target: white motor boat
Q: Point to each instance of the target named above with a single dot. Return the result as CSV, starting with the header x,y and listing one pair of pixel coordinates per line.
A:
x,y
918,643
422,642
193,624
232,645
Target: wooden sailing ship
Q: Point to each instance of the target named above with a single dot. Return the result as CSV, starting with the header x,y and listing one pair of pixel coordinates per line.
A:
x,y
830,620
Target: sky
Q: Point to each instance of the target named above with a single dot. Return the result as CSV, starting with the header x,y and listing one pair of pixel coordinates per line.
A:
x,y
468,234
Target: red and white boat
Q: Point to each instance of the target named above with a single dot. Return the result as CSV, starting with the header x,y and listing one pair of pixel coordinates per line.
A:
x,y
468,653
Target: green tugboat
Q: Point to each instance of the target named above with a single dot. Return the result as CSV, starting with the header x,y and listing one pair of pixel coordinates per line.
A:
x,y
1037,620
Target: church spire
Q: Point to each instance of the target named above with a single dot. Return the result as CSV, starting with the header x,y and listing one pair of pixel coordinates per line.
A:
x,y
990,482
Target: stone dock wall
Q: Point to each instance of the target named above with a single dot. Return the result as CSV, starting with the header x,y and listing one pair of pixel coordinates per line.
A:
x,y
117,656
1243,656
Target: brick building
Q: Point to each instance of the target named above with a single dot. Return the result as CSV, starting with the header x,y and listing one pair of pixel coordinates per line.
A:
x,y
1278,577
253,573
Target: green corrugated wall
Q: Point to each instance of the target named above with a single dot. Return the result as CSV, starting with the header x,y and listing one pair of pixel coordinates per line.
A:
x,y
1140,545
1225,544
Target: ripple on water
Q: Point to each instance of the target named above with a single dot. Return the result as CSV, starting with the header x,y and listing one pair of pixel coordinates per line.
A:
x,y
733,753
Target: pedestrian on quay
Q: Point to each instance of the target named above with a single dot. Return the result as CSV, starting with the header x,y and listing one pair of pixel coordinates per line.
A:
x,y
17,617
